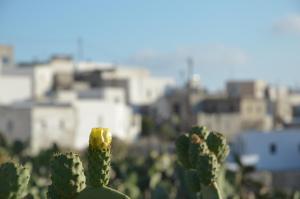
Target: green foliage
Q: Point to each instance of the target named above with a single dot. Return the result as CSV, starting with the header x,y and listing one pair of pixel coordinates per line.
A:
x,y
67,176
3,142
13,180
18,147
148,125
4,155
182,148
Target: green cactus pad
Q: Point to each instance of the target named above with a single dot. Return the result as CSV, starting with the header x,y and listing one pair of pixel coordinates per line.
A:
x,y
13,180
101,192
182,148
99,166
201,131
67,176
217,143
207,167
197,146
193,180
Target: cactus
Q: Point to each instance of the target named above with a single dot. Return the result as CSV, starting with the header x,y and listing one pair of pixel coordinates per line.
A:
x,y
182,147
202,153
99,166
67,176
99,157
13,180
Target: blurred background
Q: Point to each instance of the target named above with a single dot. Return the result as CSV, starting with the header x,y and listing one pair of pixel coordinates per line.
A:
x,y
149,71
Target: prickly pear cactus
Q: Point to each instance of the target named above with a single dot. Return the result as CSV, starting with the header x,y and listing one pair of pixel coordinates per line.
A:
x,y
13,180
67,176
99,157
99,166
202,153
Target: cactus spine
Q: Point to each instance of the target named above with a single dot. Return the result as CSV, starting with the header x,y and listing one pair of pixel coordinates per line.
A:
x,y
67,176
201,153
13,180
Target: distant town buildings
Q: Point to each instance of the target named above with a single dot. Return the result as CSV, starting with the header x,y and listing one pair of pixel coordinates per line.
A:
x,y
246,105
59,101
89,94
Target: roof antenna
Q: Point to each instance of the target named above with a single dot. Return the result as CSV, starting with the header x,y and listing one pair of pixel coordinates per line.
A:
x,y
80,49
190,68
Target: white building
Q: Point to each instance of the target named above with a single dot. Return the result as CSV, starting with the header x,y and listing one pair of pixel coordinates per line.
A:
x,y
42,124
141,88
272,151
104,95
14,88
104,108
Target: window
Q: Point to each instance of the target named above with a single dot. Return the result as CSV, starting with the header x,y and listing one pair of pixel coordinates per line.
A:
x,y
273,148
5,60
10,126
62,124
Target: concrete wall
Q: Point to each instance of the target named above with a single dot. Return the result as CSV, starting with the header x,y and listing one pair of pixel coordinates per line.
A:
x,y
227,123
276,151
255,88
142,88
96,113
15,123
14,88
52,124
42,81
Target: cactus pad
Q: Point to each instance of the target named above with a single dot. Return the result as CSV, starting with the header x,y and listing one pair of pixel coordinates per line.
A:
x,y
207,167
13,180
182,148
102,192
201,153
217,143
67,176
197,146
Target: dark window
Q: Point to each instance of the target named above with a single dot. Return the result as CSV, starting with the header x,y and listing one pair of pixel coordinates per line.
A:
x,y
5,60
273,148
10,126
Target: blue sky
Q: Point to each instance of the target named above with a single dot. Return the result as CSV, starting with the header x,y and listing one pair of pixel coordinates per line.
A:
x,y
227,39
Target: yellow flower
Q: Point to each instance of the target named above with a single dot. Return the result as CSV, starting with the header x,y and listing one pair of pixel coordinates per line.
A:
x,y
100,138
